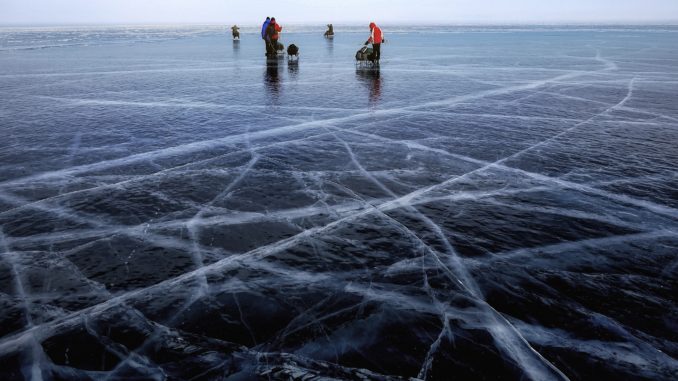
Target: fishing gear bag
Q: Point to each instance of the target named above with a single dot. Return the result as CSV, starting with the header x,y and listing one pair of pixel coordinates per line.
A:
x,y
364,54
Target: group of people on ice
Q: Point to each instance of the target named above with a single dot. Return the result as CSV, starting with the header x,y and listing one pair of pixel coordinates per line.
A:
x,y
270,33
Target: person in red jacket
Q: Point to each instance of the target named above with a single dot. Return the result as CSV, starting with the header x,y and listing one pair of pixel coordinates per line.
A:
x,y
376,39
273,34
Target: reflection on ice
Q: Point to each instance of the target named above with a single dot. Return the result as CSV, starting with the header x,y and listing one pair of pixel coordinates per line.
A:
x,y
371,79
504,208
293,69
236,48
272,81
329,44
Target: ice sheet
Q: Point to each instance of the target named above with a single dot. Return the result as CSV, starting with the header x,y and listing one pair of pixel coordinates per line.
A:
x,y
491,203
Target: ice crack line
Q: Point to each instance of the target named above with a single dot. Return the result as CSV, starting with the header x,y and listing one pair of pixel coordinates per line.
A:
x,y
273,248
214,143
141,178
193,227
34,354
538,368
648,205
7,343
280,245
568,130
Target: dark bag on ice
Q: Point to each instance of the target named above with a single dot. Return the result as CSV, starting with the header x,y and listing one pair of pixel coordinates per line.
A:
x,y
292,50
364,54
280,47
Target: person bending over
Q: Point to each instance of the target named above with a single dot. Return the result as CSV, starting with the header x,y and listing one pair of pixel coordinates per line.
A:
x,y
376,39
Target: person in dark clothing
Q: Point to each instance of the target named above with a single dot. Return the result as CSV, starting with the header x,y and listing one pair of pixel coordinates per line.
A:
x,y
330,31
264,35
376,55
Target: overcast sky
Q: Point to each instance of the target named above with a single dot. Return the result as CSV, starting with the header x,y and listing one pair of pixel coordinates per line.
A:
x,y
40,12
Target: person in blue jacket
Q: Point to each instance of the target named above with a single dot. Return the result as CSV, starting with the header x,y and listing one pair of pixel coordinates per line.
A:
x,y
264,35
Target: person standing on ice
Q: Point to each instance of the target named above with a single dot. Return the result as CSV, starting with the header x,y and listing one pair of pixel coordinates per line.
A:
x,y
273,34
264,35
376,39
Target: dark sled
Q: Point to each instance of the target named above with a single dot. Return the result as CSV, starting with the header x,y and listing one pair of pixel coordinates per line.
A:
x,y
365,57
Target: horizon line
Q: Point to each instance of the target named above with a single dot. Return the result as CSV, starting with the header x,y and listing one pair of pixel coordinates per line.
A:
x,y
357,23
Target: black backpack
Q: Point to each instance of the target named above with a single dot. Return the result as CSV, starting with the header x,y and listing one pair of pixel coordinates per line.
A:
x,y
292,50
270,31
364,54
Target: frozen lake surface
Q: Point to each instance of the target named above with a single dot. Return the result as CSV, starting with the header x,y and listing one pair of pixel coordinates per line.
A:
x,y
491,204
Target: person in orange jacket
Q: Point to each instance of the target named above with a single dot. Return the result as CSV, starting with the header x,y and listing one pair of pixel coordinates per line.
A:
x,y
273,34
376,39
